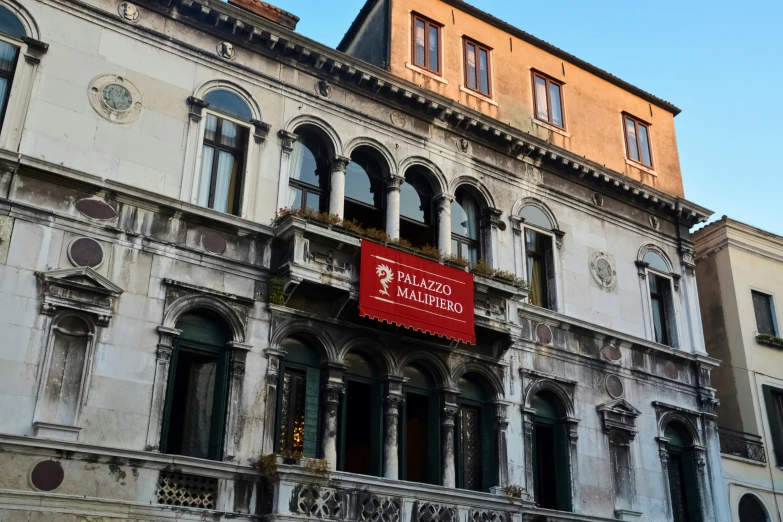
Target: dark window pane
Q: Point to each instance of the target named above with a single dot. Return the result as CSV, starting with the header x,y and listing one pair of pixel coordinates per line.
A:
x,y
230,104
304,165
644,139
484,71
762,306
434,43
630,132
542,112
471,66
10,24
464,216
313,201
419,58
557,104
659,295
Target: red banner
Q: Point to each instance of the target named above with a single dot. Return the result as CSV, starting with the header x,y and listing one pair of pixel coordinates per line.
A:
x,y
409,291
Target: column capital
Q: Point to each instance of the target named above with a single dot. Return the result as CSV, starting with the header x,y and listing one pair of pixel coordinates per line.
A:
x,y
197,106
393,182
339,163
35,50
287,139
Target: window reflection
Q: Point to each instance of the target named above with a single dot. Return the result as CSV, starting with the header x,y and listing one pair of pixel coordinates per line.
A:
x,y
308,173
364,193
465,226
416,209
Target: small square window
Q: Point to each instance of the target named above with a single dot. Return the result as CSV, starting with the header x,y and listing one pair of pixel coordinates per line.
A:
x,y
426,44
548,99
477,68
765,313
637,141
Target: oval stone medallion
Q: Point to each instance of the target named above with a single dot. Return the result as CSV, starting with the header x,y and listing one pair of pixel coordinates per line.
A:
x,y
611,352
670,370
544,334
614,386
95,209
213,242
47,475
85,251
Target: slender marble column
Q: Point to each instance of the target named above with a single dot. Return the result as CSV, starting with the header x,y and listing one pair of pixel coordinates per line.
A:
x,y
393,184
443,208
391,428
331,401
337,188
287,140
447,446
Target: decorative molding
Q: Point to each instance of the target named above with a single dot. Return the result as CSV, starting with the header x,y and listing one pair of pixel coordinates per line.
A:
x,y
197,107
602,268
226,51
98,99
82,289
129,12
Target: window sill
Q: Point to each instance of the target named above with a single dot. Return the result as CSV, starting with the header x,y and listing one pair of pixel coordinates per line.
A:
x,y
427,73
769,340
479,96
551,127
743,460
640,166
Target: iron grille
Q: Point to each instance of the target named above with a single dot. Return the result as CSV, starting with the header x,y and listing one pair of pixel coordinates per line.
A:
x,y
744,445
178,489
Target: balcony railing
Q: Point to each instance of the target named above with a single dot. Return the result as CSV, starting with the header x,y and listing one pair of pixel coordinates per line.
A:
x,y
743,445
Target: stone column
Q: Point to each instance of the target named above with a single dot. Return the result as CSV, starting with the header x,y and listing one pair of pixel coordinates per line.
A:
x,y
287,140
159,387
663,453
391,417
239,353
490,228
274,355
527,429
501,431
447,422
443,211
331,393
393,184
337,186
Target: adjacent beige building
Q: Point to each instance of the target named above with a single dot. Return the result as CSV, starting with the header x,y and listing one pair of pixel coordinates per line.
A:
x,y
739,270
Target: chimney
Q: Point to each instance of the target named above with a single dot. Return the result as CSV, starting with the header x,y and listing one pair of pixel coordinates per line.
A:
x,y
268,11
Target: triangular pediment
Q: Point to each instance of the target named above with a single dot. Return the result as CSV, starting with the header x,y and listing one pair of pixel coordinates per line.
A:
x,y
620,406
84,278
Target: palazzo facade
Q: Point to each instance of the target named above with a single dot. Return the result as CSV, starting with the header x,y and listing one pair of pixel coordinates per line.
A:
x,y
185,189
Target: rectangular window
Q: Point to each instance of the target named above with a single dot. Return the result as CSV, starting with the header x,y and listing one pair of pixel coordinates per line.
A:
x,y
765,315
426,44
292,413
660,297
548,98
8,54
477,68
637,139
540,269
772,398
222,163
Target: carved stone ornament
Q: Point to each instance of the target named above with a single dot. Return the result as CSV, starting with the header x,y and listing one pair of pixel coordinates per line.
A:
x,y
534,174
614,386
463,145
603,271
543,334
655,222
398,119
81,289
611,353
85,251
226,51
670,370
598,199
129,12
115,98
323,88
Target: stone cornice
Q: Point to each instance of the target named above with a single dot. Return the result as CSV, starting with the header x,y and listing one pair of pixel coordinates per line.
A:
x,y
728,232
264,37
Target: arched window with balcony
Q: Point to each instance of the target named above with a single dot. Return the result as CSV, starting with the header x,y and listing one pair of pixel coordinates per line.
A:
x,y
682,474
298,402
360,436
308,180
224,153
551,461
197,390
420,428
539,256
475,442
417,223
465,226
364,189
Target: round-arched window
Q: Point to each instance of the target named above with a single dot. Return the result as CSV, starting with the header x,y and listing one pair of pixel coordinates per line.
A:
x,y
536,217
656,262
10,25
751,510
465,226
416,208
309,171
364,188
229,104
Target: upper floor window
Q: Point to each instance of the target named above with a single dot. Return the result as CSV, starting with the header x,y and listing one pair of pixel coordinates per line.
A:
x,y
426,44
637,140
416,223
465,233
765,313
548,96
750,509
364,192
224,152
308,183
12,29
539,257
477,68
661,299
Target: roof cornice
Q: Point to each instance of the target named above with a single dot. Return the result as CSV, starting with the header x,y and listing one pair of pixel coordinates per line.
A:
x,y
265,37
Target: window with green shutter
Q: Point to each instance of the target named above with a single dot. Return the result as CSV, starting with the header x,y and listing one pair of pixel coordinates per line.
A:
x,y
419,446
773,398
683,475
551,459
765,315
475,447
298,400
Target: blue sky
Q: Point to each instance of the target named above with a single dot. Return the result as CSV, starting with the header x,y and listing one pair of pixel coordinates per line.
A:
x,y
720,62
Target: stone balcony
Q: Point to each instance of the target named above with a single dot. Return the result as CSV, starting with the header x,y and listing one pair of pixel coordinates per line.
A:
x,y
316,256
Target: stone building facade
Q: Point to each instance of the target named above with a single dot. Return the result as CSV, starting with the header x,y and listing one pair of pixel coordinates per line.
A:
x,y
740,280
185,187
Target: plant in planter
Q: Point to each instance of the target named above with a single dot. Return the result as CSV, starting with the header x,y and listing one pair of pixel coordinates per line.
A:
x,y
378,235
266,465
483,269
769,340
351,225
457,260
513,491
507,276
402,242
429,251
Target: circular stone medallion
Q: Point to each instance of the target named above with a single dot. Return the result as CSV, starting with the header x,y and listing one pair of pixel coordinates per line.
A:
x,y
398,119
544,334
115,98
85,251
213,242
614,386
47,475
670,370
602,269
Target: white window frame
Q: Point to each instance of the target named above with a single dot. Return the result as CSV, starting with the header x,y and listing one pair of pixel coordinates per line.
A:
x,y
676,295
555,260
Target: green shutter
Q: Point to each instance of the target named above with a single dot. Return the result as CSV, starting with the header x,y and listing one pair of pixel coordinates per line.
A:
x,y
311,413
693,499
376,432
772,400
562,468
488,460
434,471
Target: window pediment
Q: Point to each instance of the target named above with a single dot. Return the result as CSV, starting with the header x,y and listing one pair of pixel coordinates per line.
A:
x,y
81,289
619,415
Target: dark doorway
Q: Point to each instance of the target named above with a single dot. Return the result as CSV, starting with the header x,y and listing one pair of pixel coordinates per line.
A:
x,y
417,437
552,478
546,485
358,428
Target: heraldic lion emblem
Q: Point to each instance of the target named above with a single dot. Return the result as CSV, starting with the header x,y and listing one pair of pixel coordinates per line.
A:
x,y
387,276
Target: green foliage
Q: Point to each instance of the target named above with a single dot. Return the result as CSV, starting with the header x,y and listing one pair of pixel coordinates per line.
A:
x,y
482,268
456,259
378,235
429,251
307,213
275,291
402,242
513,491
353,226
770,340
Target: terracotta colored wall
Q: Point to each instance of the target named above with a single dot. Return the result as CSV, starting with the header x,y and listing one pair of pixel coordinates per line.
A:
x,y
593,106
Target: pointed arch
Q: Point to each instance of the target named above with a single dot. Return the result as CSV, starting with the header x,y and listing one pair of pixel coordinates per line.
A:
x,y
483,195
326,131
432,363
495,382
370,348
537,203
556,389
321,340
433,173
223,85
390,165
24,16
191,302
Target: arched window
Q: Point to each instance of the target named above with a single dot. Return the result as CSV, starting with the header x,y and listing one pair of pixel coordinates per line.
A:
x,y
11,33
551,463
364,201
195,414
224,152
539,257
416,221
420,445
465,231
683,478
622,470
361,421
308,182
475,446
297,403
660,286
751,510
